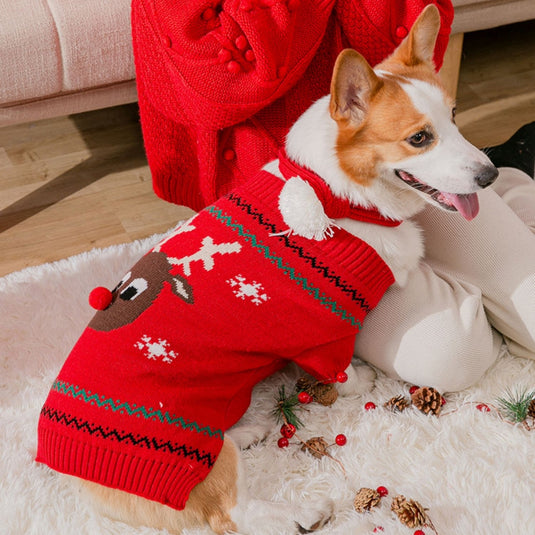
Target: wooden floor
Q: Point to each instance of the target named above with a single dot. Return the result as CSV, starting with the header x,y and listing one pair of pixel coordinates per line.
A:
x,y
70,184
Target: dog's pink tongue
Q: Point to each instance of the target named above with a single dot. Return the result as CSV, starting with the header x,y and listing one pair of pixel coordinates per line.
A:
x,y
467,205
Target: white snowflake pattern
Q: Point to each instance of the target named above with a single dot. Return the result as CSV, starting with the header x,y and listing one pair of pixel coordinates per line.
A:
x,y
254,291
156,350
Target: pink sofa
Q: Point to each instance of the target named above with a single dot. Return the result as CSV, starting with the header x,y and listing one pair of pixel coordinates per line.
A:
x,y
59,57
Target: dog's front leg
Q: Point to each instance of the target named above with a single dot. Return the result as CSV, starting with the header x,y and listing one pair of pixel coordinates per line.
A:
x,y
360,380
246,435
262,517
259,517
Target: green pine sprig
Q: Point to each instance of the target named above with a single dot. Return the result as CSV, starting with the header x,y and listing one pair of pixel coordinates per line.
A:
x,y
515,404
286,407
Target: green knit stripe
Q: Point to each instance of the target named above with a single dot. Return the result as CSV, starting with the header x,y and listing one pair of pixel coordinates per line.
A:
x,y
123,407
325,300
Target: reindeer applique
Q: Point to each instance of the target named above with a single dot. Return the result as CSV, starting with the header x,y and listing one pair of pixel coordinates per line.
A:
x,y
140,287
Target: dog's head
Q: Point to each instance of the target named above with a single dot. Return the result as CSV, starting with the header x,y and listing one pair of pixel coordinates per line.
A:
x,y
396,127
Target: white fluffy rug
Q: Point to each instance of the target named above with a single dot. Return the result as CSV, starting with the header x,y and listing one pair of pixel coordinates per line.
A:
x,y
474,472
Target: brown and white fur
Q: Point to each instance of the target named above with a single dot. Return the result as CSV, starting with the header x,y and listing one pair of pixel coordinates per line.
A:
x,y
385,137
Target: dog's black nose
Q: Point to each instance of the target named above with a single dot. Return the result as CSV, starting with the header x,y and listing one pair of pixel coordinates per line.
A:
x,y
486,176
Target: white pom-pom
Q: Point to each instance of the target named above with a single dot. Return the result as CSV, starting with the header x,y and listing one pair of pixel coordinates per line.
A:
x,y
302,211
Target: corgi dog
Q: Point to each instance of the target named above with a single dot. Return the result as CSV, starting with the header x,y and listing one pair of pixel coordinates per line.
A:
x,y
384,139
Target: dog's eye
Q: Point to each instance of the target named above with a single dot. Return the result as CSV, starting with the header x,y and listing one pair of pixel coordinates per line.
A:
x,y
420,139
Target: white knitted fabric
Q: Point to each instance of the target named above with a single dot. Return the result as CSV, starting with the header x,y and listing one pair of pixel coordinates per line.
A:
x,y
477,275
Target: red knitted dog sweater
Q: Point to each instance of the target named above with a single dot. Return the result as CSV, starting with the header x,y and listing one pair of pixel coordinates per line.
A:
x,y
143,400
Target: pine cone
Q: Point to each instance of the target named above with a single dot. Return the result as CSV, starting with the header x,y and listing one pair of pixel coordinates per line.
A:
x,y
324,394
428,400
397,404
305,384
317,446
366,499
409,512
531,409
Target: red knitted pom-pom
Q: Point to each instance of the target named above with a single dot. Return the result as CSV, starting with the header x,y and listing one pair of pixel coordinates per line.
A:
x,y
100,298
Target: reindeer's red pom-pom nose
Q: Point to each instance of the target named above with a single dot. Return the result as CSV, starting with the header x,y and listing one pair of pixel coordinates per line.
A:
x,y
100,298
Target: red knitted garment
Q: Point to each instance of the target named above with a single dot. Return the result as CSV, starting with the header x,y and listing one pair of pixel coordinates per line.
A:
x,y
220,82
334,207
143,400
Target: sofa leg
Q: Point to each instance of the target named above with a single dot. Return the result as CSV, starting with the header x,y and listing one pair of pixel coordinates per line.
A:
x,y
452,64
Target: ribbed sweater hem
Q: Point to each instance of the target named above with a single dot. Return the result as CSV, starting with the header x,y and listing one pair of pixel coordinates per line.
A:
x,y
167,483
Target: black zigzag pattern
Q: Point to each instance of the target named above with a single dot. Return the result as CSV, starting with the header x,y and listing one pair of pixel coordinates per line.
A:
x,y
313,261
127,438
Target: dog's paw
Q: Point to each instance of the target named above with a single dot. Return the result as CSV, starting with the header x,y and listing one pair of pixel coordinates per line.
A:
x,y
314,516
360,380
282,518
245,436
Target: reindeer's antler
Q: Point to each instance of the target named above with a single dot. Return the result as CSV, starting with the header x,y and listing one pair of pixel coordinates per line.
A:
x,y
186,227
205,254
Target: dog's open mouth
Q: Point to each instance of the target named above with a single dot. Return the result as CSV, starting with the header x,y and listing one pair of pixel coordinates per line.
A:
x,y
466,204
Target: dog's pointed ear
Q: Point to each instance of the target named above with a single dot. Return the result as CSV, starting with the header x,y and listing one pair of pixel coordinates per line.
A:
x,y
352,87
419,45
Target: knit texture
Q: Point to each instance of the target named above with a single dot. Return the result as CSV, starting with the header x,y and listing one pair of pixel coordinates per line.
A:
x,y
143,400
220,84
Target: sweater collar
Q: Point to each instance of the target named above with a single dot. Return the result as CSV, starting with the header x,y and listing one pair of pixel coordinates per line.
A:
x,y
335,207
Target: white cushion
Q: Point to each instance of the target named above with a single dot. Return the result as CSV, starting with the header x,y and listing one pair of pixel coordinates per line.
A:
x,y
52,47
473,15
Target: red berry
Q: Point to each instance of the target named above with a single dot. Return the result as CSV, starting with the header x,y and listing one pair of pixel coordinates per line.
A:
x,y
288,430
383,491
483,407
283,442
370,406
413,389
341,377
378,529
341,439
100,298
443,401
304,397
419,532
